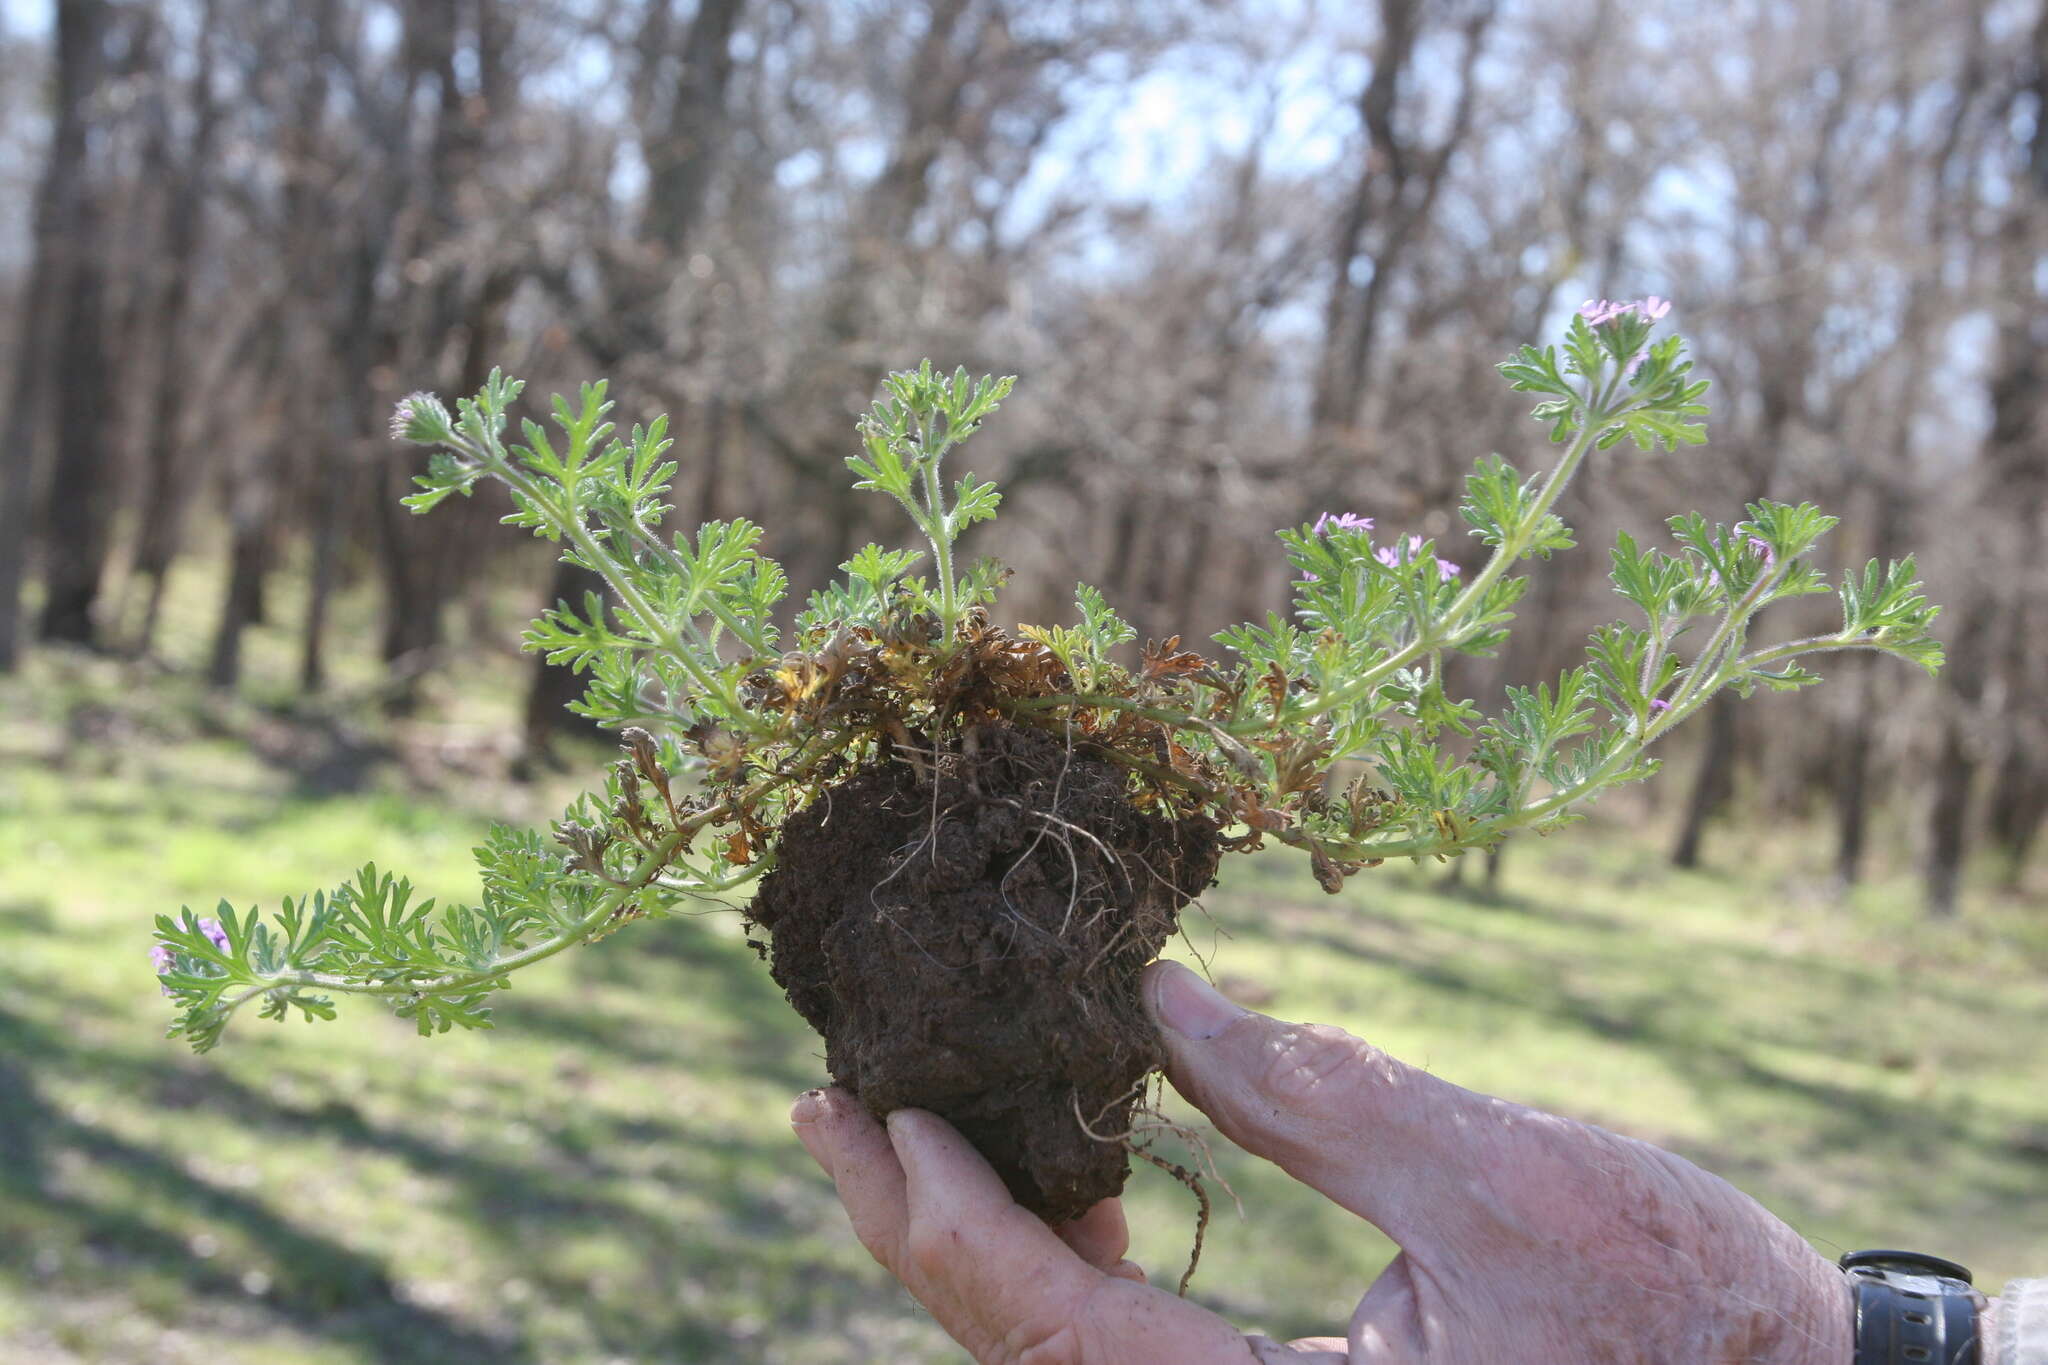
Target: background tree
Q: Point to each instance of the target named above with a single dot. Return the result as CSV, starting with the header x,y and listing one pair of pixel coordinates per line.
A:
x,y
1216,242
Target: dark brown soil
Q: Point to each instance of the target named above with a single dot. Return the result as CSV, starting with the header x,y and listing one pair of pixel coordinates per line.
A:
x,y
967,937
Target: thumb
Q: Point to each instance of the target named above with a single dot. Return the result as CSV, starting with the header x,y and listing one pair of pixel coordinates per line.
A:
x,y
1395,1145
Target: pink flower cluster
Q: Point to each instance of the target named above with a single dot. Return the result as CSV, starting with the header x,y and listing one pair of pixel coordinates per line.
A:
x,y
1388,555
1757,546
1335,521
163,957
1599,312
1394,558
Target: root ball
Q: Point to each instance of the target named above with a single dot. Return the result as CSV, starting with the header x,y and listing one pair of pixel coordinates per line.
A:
x,y
967,936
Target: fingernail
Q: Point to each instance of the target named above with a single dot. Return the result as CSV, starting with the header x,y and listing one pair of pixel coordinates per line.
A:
x,y
1188,1005
809,1107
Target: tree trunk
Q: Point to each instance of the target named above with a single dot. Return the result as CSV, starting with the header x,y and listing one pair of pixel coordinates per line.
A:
x,y
164,489
2019,803
1955,767
1396,195
1712,784
1954,772
80,62
551,687
80,504
19,467
2011,477
684,151
337,489
241,602
320,583
1347,338
64,228
1852,779
681,163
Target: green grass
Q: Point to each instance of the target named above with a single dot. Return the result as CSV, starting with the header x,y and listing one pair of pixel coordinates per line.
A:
x,y
609,1175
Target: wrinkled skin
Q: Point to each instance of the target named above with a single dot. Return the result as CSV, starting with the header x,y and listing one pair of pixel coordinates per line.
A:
x,y
1523,1236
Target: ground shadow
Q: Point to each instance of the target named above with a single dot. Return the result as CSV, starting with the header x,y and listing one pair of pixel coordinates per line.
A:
x,y
317,1284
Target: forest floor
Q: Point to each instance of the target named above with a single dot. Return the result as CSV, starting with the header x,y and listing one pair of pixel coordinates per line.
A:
x,y
609,1175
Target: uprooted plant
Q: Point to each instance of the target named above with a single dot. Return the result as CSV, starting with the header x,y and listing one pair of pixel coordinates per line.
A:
x,y
968,841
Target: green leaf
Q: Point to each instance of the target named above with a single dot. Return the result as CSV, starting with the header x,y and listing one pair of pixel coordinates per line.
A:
x,y
1649,578
1099,622
973,502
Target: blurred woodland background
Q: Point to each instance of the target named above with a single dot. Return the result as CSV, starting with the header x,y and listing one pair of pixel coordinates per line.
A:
x,y
1252,261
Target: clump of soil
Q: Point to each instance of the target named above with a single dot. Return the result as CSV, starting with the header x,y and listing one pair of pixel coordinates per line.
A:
x,y
967,935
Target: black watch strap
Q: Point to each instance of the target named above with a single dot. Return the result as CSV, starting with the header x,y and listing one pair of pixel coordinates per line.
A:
x,y
1912,1309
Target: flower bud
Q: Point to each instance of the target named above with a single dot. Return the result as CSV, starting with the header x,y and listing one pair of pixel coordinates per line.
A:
x,y
421,419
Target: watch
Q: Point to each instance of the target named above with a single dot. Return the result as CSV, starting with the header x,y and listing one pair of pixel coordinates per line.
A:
x,y
1913,1309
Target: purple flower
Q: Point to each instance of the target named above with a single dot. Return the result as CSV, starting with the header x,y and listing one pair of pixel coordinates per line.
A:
x,y
1659,704
1394,558
163,957
1763,547
1341,521
1335,521
1597,312
1600,312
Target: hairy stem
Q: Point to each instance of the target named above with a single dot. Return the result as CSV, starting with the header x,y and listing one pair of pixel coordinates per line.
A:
x,y
1453,626
645,873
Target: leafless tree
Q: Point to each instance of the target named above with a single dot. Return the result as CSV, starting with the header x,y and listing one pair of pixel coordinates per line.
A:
x,y
257,223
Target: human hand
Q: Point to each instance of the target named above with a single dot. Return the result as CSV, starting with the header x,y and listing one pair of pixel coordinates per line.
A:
x,y
1523,1236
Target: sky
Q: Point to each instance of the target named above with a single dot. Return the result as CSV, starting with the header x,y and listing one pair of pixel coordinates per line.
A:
x,y
27,16
1141,140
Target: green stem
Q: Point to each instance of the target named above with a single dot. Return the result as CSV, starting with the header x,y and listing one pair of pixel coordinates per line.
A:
x,y
458,982
1486,833
645,873
940,533
1812,644
938,528
1710,671
1618,761
747,636
572,525
1452,627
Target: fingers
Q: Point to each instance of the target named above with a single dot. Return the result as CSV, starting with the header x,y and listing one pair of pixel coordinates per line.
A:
x,y
967,1233
854,1150
1387,1325
1101,1237
926,1205
1004,1285
1393,1144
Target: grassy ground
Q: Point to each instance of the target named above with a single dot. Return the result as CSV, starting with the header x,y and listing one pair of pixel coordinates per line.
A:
x,y
608,1176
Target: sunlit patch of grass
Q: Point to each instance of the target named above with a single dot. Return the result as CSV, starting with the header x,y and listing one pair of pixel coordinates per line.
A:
x,y
609,1174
